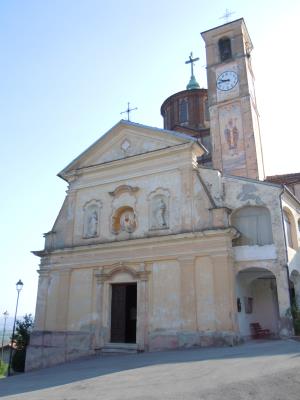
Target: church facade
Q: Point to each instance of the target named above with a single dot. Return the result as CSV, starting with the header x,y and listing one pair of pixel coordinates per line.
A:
x,y
171,237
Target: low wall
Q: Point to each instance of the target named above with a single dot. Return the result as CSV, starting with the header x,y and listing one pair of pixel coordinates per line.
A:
x,y
162,340
49,348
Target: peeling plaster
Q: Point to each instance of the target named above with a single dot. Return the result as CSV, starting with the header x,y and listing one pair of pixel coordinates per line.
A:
x,y
249,193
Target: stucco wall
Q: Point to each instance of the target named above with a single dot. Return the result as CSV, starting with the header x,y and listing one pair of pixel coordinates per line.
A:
x,y
185,270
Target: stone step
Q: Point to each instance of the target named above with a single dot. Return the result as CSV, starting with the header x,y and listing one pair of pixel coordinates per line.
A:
x,y
117,348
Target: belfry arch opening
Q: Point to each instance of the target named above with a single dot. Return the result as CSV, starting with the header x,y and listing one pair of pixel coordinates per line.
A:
x,y
257,301
225,49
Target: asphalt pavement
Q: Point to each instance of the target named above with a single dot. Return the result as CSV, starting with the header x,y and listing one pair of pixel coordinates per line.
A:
x,y
255,370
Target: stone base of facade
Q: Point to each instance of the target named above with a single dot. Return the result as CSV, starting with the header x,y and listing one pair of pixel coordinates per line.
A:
x,y
48,348
162,341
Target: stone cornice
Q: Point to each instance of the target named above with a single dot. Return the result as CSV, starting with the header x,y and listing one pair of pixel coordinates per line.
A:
x,y
143,242
136,166
107,272
147,156
123,189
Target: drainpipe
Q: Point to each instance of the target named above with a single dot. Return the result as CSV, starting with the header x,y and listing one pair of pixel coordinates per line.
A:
x,y
285,242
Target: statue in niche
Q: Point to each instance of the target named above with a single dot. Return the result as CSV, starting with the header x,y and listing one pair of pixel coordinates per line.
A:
x,y
92,224
159,213
127,221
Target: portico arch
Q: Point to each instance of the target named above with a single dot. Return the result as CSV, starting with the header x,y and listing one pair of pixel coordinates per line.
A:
x,y
257,300
295,280
290,228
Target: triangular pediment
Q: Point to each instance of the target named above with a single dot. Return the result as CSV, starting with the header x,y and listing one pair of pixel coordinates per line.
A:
x,y
126,139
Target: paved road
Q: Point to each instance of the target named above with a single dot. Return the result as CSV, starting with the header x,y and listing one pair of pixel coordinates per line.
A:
x,y
256,370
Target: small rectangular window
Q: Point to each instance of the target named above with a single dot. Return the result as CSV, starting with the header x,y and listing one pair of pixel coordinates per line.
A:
x,y
183,111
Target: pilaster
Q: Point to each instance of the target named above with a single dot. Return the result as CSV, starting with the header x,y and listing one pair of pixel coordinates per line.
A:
x,y
224,291
188,293
62,306
41,303
186,198
100,279
142,308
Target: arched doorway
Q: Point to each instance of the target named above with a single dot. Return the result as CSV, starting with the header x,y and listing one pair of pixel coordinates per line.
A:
x,y
257,300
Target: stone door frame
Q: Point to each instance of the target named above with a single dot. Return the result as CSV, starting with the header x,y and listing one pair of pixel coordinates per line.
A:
x,y
121,273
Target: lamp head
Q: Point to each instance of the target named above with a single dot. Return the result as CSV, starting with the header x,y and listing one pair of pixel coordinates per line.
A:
x,y
19,285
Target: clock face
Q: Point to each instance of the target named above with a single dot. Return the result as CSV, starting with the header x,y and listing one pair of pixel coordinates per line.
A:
x,y
227,80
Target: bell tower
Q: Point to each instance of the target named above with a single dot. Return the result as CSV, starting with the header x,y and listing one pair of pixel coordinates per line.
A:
x,y
234,119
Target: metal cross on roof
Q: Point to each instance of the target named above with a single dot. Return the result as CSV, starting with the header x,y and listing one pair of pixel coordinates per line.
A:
x,y
128,111
191,61
227,14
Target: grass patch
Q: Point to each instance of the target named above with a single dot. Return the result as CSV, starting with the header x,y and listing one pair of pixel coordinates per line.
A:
x,y
3,369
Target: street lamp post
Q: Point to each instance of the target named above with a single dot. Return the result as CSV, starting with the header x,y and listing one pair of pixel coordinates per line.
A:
x,y
5,315
19,286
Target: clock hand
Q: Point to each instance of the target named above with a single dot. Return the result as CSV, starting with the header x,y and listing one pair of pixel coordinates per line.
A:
x,y
225,80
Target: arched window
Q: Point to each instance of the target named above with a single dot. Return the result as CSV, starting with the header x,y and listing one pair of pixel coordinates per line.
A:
x,y
288,228
225,49
254,224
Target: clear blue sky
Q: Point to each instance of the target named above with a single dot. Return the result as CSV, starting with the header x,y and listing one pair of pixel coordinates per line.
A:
x,y
68,68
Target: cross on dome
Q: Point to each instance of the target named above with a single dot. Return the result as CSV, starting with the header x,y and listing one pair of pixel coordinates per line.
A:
x,y
193,84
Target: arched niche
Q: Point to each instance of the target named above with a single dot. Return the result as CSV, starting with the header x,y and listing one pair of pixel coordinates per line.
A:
x,y
254,224
124,220
91,219
159,209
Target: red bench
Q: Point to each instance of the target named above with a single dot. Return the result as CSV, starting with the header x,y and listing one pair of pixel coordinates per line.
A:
x,y
257,332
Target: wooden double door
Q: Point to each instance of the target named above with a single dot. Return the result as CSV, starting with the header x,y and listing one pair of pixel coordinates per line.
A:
x,y
123,312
